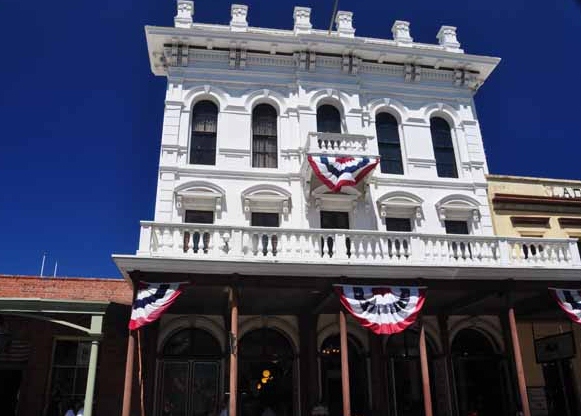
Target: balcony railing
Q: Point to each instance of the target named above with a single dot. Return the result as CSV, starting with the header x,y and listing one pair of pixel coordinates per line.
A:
x,y
338,144
225,243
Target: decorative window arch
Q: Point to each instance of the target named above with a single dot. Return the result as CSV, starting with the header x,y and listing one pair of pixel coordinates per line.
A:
x,y
458,208
328,119
400,205
200,196
443,147
264,136
204,129
266,198
388,140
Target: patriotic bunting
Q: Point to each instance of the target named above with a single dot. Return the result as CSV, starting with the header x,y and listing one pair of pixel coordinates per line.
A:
x,y
336,172
152,301
384,310
570,301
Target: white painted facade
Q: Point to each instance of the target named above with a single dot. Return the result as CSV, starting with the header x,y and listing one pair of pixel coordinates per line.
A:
x,y
295,93
238,67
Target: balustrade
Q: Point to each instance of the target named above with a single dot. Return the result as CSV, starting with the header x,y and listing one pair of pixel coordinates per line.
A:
x,y
351,246
338,144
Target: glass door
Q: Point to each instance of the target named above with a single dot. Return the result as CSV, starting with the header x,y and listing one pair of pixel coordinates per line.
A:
x,y
189,388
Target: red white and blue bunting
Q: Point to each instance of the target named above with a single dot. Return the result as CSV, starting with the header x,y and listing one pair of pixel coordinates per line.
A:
x,y
384,310
152,301
570,301
336,172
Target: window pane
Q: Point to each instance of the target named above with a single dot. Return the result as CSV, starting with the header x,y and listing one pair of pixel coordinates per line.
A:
x,y
447,170
204,127
389,145
335,220
443,148
398,224
264,219
264,137
205,397
65,352
328,119
456,227
174,388
199,217
63,379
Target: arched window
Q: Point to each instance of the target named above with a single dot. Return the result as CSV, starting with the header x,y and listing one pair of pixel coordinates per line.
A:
x,y
204,126
328,119
443,148
189,373
387,130
403,354
480,375
266,362
330,361
264,137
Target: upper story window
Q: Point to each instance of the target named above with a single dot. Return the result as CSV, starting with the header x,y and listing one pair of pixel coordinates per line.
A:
x,y
328,119
204,127
387,130
398,224
265,219
443,148
456,227
264,137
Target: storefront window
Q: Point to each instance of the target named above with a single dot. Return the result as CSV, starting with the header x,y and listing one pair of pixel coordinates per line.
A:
x,y
69,375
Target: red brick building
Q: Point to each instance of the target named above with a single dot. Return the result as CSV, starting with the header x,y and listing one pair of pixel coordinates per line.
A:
x,y
48,329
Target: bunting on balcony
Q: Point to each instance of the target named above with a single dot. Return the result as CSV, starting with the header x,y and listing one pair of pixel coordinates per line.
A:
x,y
336,172
384,310
570,301
152,301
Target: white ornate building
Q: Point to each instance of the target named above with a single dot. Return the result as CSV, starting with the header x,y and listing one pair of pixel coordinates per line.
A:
x,y
239,206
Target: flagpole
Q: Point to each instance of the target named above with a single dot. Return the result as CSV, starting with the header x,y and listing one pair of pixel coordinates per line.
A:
x,y
140,371
128,385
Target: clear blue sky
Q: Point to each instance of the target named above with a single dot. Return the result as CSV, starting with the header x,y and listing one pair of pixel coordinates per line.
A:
x,y
81,114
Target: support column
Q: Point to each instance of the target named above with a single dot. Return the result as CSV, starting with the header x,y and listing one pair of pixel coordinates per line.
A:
x,y
128,386
233,352
96,331
377,384
425,373
522,386
344,364
309,376
452,402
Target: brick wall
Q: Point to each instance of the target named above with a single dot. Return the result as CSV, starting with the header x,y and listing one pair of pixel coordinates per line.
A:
x,y
69,288
40,335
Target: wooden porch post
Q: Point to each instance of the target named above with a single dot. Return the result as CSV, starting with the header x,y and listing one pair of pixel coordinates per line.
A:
x,y
344,364
522,386
233,352
128,386
425,373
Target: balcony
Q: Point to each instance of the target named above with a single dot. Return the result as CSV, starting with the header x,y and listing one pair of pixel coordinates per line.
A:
x,y
351,247
335,144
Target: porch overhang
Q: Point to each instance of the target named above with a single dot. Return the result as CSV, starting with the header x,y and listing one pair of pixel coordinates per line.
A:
x,y
303,268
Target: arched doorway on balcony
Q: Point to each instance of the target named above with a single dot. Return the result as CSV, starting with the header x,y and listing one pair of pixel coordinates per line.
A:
x,y
402,354
266,371
330,359
480,374
189,374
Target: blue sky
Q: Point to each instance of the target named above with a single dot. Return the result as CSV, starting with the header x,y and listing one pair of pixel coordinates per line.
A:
x,y
81,114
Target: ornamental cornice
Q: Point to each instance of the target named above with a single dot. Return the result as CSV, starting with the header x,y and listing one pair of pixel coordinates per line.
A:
x,y
351,54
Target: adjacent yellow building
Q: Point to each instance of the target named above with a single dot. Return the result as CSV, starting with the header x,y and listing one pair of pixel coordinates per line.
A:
x,y
546,208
